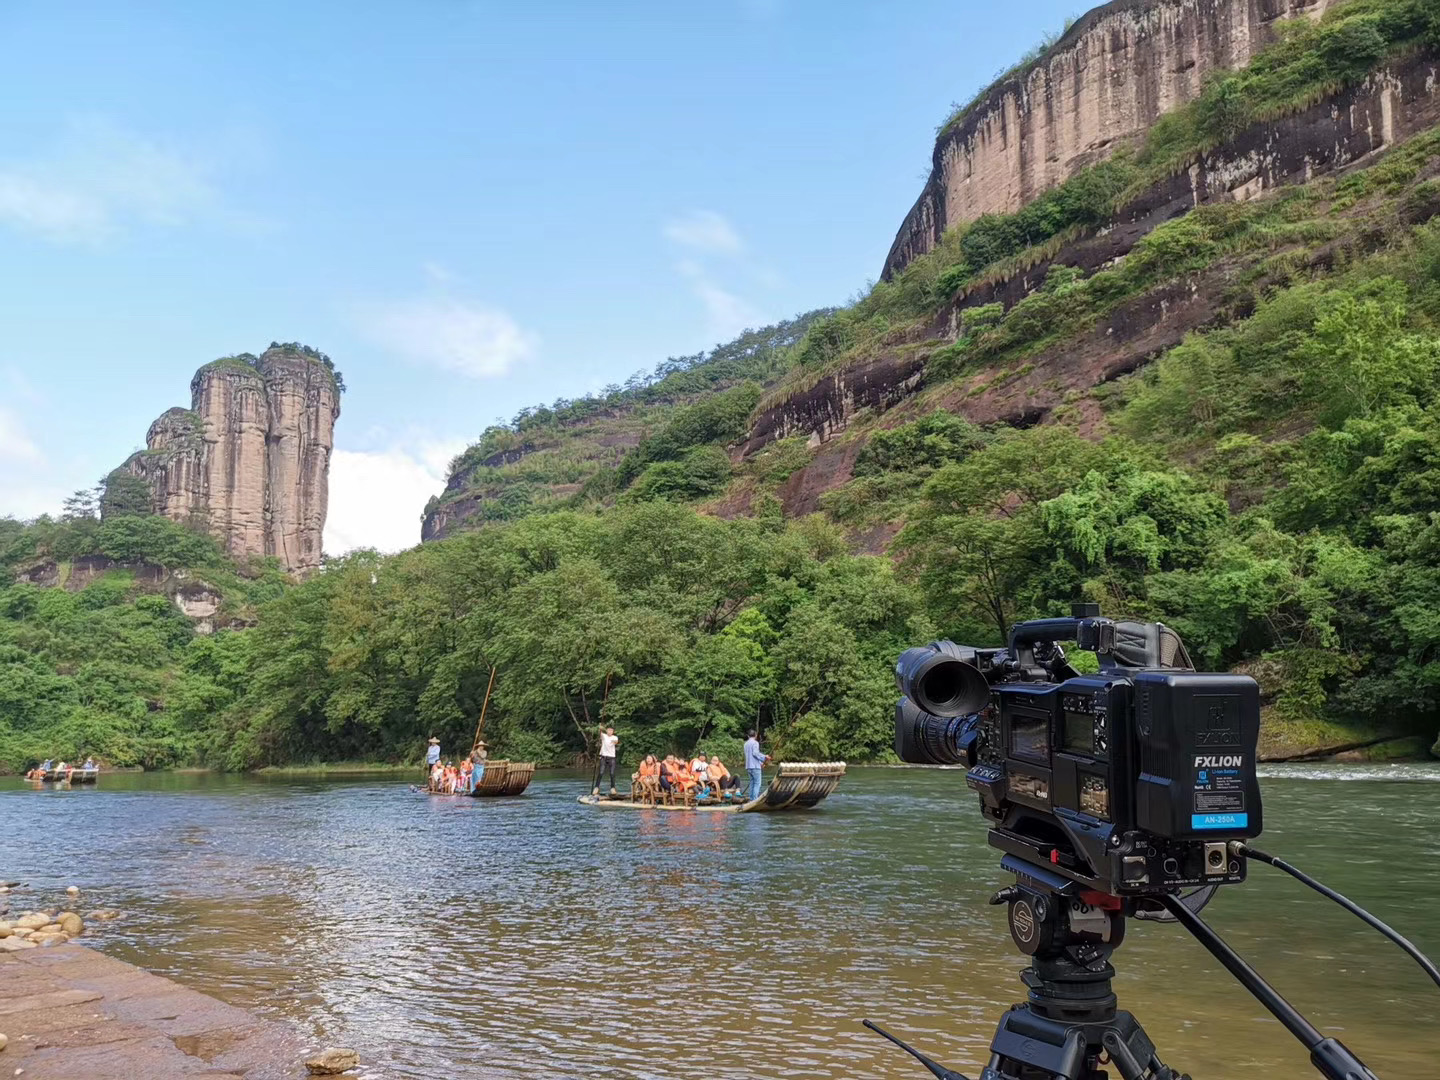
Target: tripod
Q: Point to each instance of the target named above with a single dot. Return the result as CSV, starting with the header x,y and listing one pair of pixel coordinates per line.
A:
x,y
1069,1021
1069,1028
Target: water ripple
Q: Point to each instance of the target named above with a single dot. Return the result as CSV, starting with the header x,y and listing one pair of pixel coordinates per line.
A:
x,y
502,939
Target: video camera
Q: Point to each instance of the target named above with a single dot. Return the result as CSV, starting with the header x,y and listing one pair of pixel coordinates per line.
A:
x,y
1130,782
1127,793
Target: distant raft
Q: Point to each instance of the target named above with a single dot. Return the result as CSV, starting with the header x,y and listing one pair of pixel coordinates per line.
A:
x,y
499,778
65,776
798,785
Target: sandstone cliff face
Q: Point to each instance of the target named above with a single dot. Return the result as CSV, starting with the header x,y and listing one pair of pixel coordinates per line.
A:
x,y
250,459
1113,74
1346,130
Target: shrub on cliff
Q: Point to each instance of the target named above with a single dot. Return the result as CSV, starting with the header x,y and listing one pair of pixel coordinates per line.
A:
x,y
932,441
720,419
703,471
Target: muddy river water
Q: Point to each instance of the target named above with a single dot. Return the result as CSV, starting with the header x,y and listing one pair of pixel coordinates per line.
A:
x,y
534,937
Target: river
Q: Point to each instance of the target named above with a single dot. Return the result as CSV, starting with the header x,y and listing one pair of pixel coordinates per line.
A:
x,y
534,937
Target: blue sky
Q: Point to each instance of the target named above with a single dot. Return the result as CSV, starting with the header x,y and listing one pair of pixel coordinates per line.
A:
x,y
470,206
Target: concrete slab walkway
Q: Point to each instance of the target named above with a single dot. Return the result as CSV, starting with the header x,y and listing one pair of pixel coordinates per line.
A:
x,y
74,1014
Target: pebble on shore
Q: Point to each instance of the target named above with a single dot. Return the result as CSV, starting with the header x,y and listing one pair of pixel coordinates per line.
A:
x,y
34,929
332,1061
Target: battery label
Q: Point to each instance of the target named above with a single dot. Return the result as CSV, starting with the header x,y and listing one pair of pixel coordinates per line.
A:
x,y
1219,792
1219,821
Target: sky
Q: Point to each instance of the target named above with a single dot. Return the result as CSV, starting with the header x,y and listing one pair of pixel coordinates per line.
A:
x,y
471,206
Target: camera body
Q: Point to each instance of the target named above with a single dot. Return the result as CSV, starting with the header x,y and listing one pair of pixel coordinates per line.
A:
x,y
1129,782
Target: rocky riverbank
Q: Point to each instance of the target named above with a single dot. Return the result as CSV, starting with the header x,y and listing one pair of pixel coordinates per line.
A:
x,y
41,926
68,1012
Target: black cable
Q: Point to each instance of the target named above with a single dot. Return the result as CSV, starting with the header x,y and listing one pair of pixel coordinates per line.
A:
x,y
1349,905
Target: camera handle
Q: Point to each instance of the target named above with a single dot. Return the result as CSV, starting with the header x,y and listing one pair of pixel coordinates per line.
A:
x,y
1331,1057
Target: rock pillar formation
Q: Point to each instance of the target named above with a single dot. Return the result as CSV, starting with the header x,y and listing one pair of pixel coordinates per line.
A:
x,y
1105,82
249,461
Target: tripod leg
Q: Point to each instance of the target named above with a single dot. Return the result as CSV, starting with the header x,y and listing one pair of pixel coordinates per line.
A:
x,y
1130,1069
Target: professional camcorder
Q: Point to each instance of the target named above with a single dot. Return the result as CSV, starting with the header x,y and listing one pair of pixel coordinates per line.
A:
x,y
1130,782
1129,793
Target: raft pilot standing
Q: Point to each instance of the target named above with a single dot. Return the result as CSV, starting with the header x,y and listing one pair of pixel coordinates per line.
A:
x,y
755,760
608,742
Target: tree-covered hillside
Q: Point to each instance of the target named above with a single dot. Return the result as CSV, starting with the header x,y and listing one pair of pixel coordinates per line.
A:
x,y
1227,420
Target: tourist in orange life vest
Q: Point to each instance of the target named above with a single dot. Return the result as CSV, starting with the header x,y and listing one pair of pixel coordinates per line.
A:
x,y
682,779
647,776
667,772
721,777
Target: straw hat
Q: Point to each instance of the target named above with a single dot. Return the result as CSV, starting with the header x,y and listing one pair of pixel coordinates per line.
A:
x,y
481,743
434,741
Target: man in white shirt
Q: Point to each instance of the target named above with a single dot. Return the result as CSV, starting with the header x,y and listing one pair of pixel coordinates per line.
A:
x,y
432,757
608,742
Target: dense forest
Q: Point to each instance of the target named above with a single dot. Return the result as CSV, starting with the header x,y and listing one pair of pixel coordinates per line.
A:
x,y
1270,487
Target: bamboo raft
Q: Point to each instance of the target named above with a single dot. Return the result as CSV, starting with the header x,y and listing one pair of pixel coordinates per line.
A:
x,y
504,778
797,786
500,778
69,776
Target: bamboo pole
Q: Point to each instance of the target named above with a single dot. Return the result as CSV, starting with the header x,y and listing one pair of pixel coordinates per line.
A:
x,y
480,728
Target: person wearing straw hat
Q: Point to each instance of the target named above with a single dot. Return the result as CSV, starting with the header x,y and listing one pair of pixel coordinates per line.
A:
x,y
432,756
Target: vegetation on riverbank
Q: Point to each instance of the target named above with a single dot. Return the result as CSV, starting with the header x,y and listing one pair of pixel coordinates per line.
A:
x,y
1270,487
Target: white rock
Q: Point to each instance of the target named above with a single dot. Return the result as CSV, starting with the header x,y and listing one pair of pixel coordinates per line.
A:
x,y
4,1042
32,921
15,944
73,890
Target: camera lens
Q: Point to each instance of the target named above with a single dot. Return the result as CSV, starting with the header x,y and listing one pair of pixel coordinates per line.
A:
x,y
924,739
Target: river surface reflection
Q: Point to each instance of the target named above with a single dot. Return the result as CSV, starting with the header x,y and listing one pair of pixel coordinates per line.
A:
x,y
535,937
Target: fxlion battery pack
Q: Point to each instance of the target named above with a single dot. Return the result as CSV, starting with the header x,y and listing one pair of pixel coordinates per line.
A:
x,y
1195,736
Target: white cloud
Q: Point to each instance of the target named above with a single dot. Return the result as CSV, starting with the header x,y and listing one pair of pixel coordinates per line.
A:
x,y
726,313
377,497
705,231
16,446
472,339
96,179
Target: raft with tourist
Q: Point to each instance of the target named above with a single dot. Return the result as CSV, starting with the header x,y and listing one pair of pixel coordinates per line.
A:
x,y
797,785
476,776
49,772
705,783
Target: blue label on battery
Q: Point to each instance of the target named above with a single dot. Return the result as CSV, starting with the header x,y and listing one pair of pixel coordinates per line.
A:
x,y
1219,821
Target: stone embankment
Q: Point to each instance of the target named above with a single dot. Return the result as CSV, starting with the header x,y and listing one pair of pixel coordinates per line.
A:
x,y
68,1012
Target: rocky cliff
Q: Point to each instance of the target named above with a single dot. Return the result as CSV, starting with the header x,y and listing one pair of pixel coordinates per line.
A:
x,y
1344,131
250,459
1112,75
